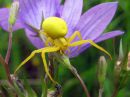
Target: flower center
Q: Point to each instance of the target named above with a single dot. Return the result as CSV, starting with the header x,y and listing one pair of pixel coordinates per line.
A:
x,y
55,27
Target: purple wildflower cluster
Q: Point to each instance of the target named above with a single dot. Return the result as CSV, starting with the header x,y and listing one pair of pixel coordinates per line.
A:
x,y
91,24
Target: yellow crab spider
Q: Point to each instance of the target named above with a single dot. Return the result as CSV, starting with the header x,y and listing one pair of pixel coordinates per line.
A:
x,y
55,30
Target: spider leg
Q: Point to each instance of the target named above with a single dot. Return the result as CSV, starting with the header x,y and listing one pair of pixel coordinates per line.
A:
x,y
28,58
47,50
49,41
76,33
92,43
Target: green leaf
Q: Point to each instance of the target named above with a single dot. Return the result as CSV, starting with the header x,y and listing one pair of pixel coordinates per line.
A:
x,y
18,91
44,88
29,90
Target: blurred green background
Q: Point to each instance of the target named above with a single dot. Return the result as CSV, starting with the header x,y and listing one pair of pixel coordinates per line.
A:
x,y
86,63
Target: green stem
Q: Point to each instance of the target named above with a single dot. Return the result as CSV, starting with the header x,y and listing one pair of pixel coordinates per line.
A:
x,y
74,71
2,61
9,46
63,59
115,92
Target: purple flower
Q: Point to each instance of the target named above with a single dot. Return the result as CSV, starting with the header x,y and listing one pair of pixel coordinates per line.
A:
x,y
91,24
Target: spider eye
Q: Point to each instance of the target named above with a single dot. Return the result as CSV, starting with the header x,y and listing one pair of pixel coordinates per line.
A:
x,y
55,27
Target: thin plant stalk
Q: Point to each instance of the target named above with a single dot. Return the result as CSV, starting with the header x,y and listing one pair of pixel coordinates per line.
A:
x,y
74,71
9,46
63,59
115,92
2,61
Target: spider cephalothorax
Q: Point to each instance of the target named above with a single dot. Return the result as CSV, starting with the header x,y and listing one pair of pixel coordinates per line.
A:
x,y
55,29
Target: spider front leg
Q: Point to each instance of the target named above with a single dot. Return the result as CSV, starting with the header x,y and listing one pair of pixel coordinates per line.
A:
x,y
76,33
28,58
81,42
73,36
49,41
47,50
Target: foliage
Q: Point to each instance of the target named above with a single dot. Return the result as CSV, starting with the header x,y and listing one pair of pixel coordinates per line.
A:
x,y
86,63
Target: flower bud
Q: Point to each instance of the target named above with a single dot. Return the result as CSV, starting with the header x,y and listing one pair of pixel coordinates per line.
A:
x,y
102,69
120,64
13,12
121,53
128,63
117,68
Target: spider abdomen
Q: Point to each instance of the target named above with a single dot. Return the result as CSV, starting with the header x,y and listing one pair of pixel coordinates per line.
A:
x,y
55,27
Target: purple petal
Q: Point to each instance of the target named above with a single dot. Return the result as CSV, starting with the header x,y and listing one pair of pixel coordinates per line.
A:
x,y
95,20
34,11
99,39
31,12
37,42
4,15
50,7
108,35
71,12
60,1
59,11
